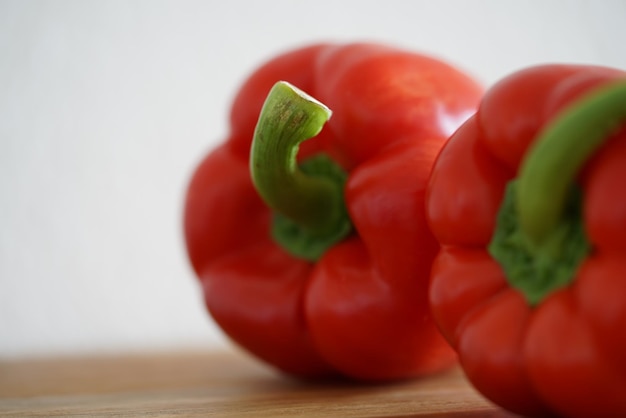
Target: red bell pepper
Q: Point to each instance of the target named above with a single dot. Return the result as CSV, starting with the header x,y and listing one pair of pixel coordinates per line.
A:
x,y
527,200
324,269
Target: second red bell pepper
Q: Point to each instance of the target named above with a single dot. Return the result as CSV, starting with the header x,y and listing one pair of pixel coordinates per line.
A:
x,y
323,267
527,199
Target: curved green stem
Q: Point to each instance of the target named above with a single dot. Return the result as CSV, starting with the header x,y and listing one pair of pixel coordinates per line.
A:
x,y
309,199
551,165
540,239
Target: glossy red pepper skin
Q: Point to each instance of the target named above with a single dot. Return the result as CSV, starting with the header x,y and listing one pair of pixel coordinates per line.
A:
x,y
360,311
565,355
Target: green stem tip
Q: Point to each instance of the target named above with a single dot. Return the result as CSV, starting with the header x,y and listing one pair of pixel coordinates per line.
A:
x,y
308,201
549,170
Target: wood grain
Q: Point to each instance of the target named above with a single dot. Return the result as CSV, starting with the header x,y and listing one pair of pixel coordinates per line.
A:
x,y
222,384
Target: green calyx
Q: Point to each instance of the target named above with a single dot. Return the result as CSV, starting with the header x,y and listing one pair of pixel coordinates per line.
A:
x,y
308,199
540,239
537,269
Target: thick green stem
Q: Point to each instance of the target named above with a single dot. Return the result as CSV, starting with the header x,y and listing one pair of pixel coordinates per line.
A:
x,y
540,237
550,167
309,201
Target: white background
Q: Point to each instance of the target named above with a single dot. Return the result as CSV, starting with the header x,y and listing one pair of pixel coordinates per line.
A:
x,y
106,107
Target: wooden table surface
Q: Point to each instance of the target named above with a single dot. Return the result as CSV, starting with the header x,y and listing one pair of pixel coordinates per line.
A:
x,y
223,384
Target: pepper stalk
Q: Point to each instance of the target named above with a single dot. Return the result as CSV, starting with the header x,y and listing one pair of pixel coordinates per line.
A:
x,y
540,240
310,213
